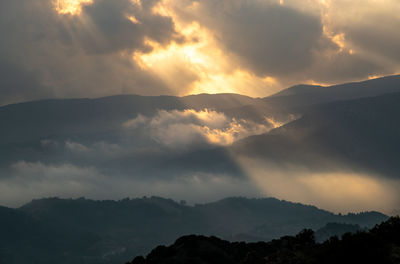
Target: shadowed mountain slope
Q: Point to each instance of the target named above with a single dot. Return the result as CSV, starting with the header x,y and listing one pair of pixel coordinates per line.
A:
x,y
360,133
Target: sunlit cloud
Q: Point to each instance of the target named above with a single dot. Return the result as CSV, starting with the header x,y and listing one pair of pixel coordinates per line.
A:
x,y
71,7
182,47
188,128
200,64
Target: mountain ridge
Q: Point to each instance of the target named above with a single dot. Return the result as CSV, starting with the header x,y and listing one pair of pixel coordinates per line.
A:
x,y
88,229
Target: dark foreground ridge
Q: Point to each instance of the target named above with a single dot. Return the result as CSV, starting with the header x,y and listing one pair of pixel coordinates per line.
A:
x,y
379,245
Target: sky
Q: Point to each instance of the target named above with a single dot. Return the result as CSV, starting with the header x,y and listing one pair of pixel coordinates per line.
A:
x,y
94,48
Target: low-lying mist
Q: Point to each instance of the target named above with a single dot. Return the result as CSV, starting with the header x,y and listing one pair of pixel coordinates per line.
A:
x,y
343,190
188,155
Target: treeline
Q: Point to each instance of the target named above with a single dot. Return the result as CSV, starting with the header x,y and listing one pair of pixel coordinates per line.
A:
x,y
380,245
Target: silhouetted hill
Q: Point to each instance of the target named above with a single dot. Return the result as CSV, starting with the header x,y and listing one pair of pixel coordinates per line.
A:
x,y
87,231
336,229
379,245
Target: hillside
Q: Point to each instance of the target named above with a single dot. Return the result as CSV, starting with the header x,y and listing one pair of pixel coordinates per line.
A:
x,y
358,133
51,117
379,245
301,96
87,231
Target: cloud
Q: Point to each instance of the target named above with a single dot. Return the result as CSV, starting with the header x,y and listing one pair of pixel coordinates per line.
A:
x,y
293,42
189,128
97,148
27,181
266,37
76,147
46,54
254,47
270,39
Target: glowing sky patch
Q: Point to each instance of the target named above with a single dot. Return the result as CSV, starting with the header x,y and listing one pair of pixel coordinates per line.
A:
x,y
200,66
72,7
202,63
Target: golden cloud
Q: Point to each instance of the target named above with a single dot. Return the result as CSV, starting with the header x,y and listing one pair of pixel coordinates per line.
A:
x,y
180,129
199,65
72,7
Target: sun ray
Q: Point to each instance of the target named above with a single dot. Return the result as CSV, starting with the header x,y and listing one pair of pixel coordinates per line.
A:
x,y
199,65
70,7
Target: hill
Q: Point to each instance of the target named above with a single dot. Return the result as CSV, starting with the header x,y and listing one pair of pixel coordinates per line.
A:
x,y
300,96
379,245
358,133
51,117
86,231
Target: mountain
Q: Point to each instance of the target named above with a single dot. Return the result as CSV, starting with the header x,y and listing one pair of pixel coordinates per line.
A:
x,y
86,231
51,117
301,96
336,229
42,131
381,244
359,133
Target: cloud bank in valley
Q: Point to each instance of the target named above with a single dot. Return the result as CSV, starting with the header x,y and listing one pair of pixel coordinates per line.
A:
x,y
189,128
33,180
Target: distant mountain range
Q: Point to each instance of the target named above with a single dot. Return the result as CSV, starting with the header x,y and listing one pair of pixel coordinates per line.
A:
x,y
305,95
85,231
358,130
52,117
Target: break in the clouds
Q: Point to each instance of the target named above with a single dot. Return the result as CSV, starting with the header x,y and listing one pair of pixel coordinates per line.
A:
x,y
66,48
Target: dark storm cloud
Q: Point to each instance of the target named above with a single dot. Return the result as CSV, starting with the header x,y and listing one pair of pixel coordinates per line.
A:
x,y
117,32
377,38
13,77
345,67
268,38
302,41
45,54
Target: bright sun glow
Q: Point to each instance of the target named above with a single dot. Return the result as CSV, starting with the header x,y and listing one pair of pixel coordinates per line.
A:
x,y
199,65
71,7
